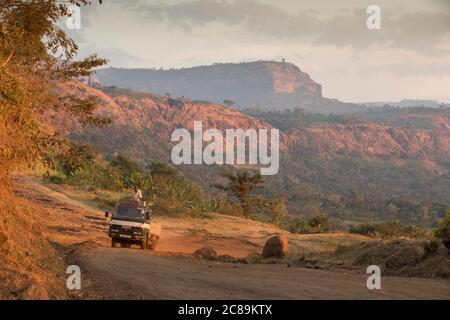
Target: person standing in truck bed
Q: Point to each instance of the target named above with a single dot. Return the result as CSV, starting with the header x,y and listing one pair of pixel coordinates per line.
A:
x,y
137,194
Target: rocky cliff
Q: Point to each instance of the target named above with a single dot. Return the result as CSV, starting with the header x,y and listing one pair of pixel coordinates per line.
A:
x,y
265,85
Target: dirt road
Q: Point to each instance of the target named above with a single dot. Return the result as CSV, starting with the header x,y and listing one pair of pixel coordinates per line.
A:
x,y
172,273
136,274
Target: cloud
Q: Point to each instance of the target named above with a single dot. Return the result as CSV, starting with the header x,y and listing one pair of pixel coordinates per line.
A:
x,y
410,55
405,69
420,31
116,57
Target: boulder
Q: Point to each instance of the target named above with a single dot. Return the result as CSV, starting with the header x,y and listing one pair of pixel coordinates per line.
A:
x,y
276,246
207,253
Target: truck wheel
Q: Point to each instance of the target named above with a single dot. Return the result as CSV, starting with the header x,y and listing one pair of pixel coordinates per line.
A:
x,y
152,244
144,243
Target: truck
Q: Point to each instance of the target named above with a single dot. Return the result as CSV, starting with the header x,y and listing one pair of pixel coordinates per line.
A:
x,y
131,224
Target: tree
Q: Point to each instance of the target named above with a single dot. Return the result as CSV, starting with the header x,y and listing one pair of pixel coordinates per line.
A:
x,y
124,164
36,62
443,225
74,157
162,169
229,102
240,186
278,211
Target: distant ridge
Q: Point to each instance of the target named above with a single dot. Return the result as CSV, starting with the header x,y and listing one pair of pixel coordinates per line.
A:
x,y
408,103
266,85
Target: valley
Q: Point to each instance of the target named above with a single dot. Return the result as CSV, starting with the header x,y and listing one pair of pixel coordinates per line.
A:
x,y
349,167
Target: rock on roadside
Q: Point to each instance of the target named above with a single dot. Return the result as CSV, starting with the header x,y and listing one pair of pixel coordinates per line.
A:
x,y
276,246
207,253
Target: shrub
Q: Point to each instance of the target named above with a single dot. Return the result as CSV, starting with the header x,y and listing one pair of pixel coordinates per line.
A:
x,y
431,247
228,208
364,229
124,164
389,229
296,225
315,224
441,229
55,179
319,222
74,157
253,258
278,211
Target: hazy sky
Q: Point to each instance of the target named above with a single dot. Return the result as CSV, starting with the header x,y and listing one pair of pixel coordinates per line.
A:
x,y
408,58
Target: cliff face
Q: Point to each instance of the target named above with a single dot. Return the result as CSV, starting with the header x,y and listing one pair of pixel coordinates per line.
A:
x,y
372,141
289,79
267,85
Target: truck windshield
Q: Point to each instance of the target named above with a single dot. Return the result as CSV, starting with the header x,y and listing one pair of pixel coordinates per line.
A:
x,y
129,213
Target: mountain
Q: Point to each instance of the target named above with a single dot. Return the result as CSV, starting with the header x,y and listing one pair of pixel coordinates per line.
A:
x,y
265,85
349,169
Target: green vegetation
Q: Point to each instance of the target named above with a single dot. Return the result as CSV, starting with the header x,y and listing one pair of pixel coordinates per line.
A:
x,y
229,102
168,191
163,186
315,224
172,194
395,229
431,247
443,225
349,188
411,118
242,201
353,187
240,187
390,229
30,76
288,119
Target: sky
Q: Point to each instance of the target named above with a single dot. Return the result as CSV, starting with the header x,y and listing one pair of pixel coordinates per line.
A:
x,y
408,57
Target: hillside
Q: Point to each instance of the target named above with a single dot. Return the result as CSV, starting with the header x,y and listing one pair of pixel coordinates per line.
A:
x,y
265,85
352,170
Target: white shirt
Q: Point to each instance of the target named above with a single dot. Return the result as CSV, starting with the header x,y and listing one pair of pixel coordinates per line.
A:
x,y
137,195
